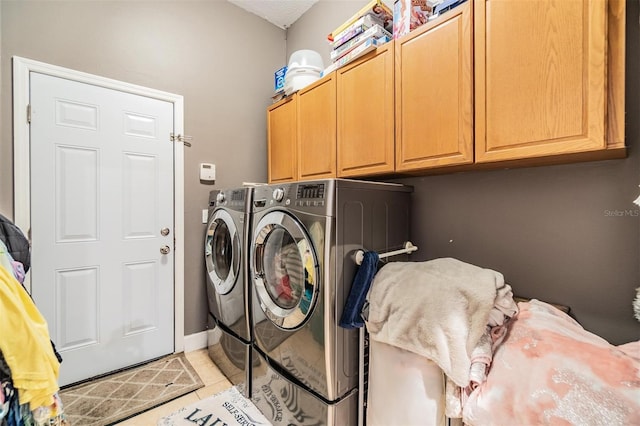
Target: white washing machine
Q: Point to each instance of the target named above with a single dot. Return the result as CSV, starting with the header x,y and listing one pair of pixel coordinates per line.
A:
x,y
305,236
226,249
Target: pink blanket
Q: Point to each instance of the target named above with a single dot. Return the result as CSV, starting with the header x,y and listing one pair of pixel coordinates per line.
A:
x,y
551,371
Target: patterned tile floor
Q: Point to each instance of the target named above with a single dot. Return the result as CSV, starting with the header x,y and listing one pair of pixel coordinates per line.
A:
x,y
214,382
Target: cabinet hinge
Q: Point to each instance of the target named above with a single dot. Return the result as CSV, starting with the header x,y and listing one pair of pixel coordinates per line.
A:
x,y
29,113
181,138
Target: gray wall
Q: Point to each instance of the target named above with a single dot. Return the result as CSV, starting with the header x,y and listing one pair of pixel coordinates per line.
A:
x,y
218,56
552,231
311,29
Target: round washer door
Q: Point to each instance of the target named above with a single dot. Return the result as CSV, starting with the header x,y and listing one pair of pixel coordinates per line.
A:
x,y
222,251
286,270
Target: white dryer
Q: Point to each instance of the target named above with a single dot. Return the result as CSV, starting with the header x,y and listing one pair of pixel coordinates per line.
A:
x,y
304,238
226,249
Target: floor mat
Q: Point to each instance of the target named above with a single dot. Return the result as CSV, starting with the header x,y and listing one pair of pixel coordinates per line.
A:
x,y
121,395
228,407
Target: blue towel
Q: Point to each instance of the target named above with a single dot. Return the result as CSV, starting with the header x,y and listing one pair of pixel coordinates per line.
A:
x,y
351,317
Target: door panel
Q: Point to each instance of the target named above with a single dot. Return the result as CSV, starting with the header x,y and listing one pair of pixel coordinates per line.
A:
x,y
77,302
434,94
139,205
365,115
281,144
317,130
541,72
101,191
76,182
140,298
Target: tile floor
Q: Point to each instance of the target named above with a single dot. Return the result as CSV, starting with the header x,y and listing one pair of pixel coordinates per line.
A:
x,y
214,382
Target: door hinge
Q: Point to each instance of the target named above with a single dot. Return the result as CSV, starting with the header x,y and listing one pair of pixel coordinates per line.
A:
x,y
29,113
181,138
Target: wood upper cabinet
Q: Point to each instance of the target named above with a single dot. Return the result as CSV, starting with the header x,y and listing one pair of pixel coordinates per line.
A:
x,y
317,129
365,114
541,78
434,93
281,141
491,83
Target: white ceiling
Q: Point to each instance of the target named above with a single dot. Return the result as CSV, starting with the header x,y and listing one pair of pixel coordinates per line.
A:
x,y
282,13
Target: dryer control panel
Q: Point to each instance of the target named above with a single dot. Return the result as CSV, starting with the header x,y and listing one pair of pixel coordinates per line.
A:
x,y
315,190
310,195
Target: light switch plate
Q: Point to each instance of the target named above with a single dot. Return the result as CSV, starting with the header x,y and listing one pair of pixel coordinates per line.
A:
x,y
205,215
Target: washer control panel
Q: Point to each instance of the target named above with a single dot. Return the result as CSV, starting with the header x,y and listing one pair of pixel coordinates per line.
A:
x,y
232,199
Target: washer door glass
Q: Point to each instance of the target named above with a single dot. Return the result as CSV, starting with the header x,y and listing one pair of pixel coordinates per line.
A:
x,y
222,251
286,270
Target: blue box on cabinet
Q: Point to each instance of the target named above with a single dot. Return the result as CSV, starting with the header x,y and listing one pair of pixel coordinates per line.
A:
x,y
279,78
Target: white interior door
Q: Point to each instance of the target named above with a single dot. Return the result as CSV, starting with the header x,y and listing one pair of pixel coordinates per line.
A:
x,y
101,192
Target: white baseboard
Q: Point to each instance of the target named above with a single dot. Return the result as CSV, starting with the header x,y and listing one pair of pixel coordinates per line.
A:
x,y
195,341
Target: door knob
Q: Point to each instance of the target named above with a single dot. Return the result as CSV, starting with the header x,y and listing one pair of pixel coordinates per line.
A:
x,y
164,232
165,249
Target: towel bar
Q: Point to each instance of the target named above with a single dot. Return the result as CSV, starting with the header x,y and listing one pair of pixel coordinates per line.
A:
x,y
408,248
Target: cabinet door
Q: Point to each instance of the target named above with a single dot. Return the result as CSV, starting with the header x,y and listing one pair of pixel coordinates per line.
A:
x,y
540,77
434,93
281,140
317,129
365,115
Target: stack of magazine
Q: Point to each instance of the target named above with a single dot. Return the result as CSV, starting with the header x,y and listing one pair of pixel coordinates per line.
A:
x,y
368,28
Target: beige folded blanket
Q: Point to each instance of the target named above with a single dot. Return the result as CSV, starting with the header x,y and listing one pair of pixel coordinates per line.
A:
x,y
438,309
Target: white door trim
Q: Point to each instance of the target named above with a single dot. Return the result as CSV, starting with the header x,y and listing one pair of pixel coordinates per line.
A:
x,y
21,173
